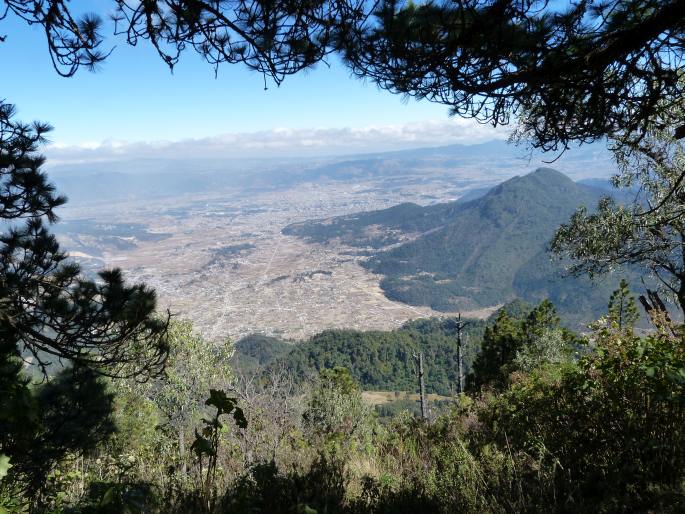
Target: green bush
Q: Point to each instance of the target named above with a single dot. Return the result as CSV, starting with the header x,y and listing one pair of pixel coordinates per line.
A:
x,y
610,429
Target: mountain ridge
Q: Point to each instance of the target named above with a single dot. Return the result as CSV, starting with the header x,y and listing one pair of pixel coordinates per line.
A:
x,y
477,253
454,164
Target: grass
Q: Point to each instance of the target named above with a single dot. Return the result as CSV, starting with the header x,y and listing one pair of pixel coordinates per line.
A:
x,y
381,397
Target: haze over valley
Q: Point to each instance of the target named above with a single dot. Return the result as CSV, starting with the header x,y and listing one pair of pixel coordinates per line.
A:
x,y
212,242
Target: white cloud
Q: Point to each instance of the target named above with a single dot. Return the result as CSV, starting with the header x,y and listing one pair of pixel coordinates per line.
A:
x,y
282,142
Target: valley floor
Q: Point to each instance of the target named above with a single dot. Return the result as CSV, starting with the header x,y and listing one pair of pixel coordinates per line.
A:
x,y
227,267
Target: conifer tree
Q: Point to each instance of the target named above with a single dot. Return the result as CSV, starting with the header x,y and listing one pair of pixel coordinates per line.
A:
x,y
504,341
542,318
48,312
622,307
500,344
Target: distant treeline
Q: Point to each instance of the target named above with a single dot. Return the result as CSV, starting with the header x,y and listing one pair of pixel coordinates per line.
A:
x,y
378,360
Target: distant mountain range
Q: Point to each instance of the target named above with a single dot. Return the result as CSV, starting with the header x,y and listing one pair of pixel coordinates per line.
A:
x,y
481,250
470,166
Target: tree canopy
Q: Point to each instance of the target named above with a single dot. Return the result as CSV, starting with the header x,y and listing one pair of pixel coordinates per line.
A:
x,y
511,342
568,73
50,314
47,310
650,232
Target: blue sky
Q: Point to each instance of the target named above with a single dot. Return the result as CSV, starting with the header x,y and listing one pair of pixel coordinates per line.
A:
x,y
135,98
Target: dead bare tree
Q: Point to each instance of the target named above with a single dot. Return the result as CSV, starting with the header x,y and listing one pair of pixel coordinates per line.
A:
x,y
275,410
422,386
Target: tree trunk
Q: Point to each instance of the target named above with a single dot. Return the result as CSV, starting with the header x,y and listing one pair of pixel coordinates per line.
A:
x,y
182,450
460,358
422,388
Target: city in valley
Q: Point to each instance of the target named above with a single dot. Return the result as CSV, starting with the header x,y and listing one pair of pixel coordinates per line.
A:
x,y
218,258
222,262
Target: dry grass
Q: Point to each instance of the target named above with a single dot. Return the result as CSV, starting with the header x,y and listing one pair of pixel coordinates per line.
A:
x,y
381,397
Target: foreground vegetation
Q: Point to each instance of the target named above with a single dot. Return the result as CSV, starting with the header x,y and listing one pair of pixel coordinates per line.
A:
x,y
555,423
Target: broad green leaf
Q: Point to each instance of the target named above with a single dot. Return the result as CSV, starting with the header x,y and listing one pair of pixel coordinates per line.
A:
x,y
107,497
201,446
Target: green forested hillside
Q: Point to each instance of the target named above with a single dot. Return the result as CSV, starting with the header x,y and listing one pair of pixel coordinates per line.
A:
x,y
360,229
383,360
478,253
378,360
257,350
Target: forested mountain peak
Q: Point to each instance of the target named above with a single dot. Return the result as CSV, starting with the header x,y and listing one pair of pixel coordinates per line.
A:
x,y
544,185
476,253
542,188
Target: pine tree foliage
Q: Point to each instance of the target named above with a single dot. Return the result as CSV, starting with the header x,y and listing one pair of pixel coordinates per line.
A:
x,y
569,73
500,344
47,310
622,307
572,72
50,314
510,342
73,42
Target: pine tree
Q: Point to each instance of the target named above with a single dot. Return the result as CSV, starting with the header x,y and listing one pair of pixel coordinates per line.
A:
x,y
49,314
501,343
542,318
508,337
47,310
622,307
